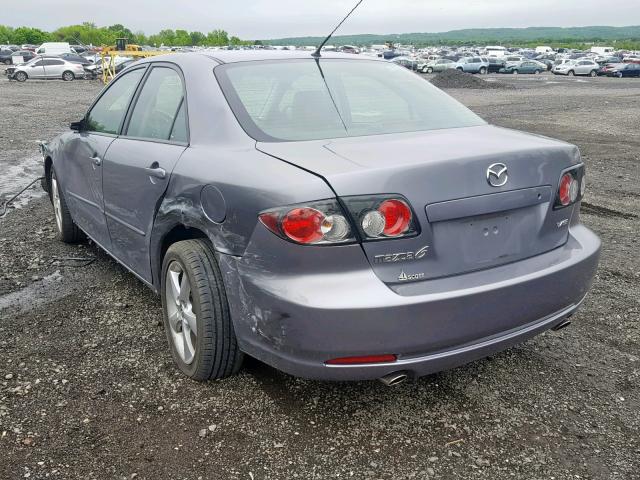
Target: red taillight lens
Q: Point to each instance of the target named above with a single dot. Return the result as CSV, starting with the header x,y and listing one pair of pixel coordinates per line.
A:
x,y
564,189
382,216
303,225
397,217
321,222
570,187
362,359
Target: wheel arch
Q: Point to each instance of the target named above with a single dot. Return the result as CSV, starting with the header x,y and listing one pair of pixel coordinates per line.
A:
x,y
172,234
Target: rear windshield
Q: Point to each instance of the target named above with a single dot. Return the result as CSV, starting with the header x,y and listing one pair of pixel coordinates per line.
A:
x,y
291,100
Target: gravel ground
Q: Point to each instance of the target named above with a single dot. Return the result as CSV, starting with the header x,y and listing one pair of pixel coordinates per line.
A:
x,y
88,389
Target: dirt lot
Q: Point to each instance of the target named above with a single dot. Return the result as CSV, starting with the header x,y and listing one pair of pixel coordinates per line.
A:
x,y
88,389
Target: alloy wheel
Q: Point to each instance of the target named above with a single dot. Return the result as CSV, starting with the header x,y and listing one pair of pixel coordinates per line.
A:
x,y
183,321
57,208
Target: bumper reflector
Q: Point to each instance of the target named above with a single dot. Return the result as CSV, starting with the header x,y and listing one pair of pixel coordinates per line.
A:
x,y
362,359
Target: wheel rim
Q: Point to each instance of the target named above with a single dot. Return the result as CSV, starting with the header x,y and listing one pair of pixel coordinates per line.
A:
x,y
183,322
67,76
21,77
57,209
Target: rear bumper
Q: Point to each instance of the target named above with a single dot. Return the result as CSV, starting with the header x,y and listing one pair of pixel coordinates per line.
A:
x,y
296,322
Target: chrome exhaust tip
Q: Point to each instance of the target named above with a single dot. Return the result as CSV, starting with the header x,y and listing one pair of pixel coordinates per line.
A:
x,y
561,325
395,378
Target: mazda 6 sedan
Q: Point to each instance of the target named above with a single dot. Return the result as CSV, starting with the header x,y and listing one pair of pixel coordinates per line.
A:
x,y
323,215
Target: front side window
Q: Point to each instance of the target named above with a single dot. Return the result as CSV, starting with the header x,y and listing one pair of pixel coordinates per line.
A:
x,y
157,106
107,114
307,100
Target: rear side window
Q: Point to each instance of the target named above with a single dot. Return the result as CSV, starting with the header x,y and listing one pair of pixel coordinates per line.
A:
x,y
108,112
157,106
53,62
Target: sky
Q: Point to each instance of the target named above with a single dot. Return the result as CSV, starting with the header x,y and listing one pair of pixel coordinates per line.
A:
x,y
264,19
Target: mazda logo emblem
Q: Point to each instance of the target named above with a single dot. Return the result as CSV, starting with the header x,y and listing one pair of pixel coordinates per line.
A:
x,y
497,174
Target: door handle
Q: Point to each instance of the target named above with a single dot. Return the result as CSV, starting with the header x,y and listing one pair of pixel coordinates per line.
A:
x,y
157,172
96,160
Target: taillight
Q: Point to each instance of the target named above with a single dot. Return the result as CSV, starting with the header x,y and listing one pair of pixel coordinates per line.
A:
x,y
316,223
571,187
382,216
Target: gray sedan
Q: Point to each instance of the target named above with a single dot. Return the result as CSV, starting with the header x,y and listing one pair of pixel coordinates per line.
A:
x,y
324,215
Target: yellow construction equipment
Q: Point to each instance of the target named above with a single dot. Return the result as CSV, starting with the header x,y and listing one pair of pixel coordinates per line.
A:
x,y
124,49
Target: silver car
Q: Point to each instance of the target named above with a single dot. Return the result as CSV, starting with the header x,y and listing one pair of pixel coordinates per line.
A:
x,y
439,65
46,68
577,67
473,65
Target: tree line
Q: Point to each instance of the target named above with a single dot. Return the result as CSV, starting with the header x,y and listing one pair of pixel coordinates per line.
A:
x,y
89,33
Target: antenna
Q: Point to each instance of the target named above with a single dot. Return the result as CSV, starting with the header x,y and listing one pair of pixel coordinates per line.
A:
x,y
317,52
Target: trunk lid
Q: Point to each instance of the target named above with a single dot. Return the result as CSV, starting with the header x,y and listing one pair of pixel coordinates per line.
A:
x,y
466,223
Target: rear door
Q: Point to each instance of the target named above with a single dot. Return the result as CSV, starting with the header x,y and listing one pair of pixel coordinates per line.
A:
x,y
139,163
53,68
81,165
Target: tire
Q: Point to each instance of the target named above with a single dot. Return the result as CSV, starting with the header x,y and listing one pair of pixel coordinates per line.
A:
x,y
571,73
515,72
20,76
460,69
537,72
429,70
68,76
213,352
593,73
68,231
483,71
7,61
619,74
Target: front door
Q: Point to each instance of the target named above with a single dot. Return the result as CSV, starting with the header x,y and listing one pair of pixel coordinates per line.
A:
x,y
138,165
81,168
35,69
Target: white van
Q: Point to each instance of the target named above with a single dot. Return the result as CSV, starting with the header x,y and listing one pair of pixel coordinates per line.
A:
x,y
602,50
544,49
54,48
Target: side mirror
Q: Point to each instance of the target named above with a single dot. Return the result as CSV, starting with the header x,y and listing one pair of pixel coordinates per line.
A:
x,y
77,126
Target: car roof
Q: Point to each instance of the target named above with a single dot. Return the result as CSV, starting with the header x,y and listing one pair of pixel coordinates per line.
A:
x,y
235,56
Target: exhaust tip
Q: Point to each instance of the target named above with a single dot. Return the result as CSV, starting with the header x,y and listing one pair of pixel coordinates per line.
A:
x,y
395,378
561,325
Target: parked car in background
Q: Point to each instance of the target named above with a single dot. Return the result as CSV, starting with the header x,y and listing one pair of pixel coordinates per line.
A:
x,y
439,65
406,62
365,260
5,56
22,56
473,65
527,66
9,57
625,70
75,58
495,64
46,68
54,48
605,69
577,67
513,60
